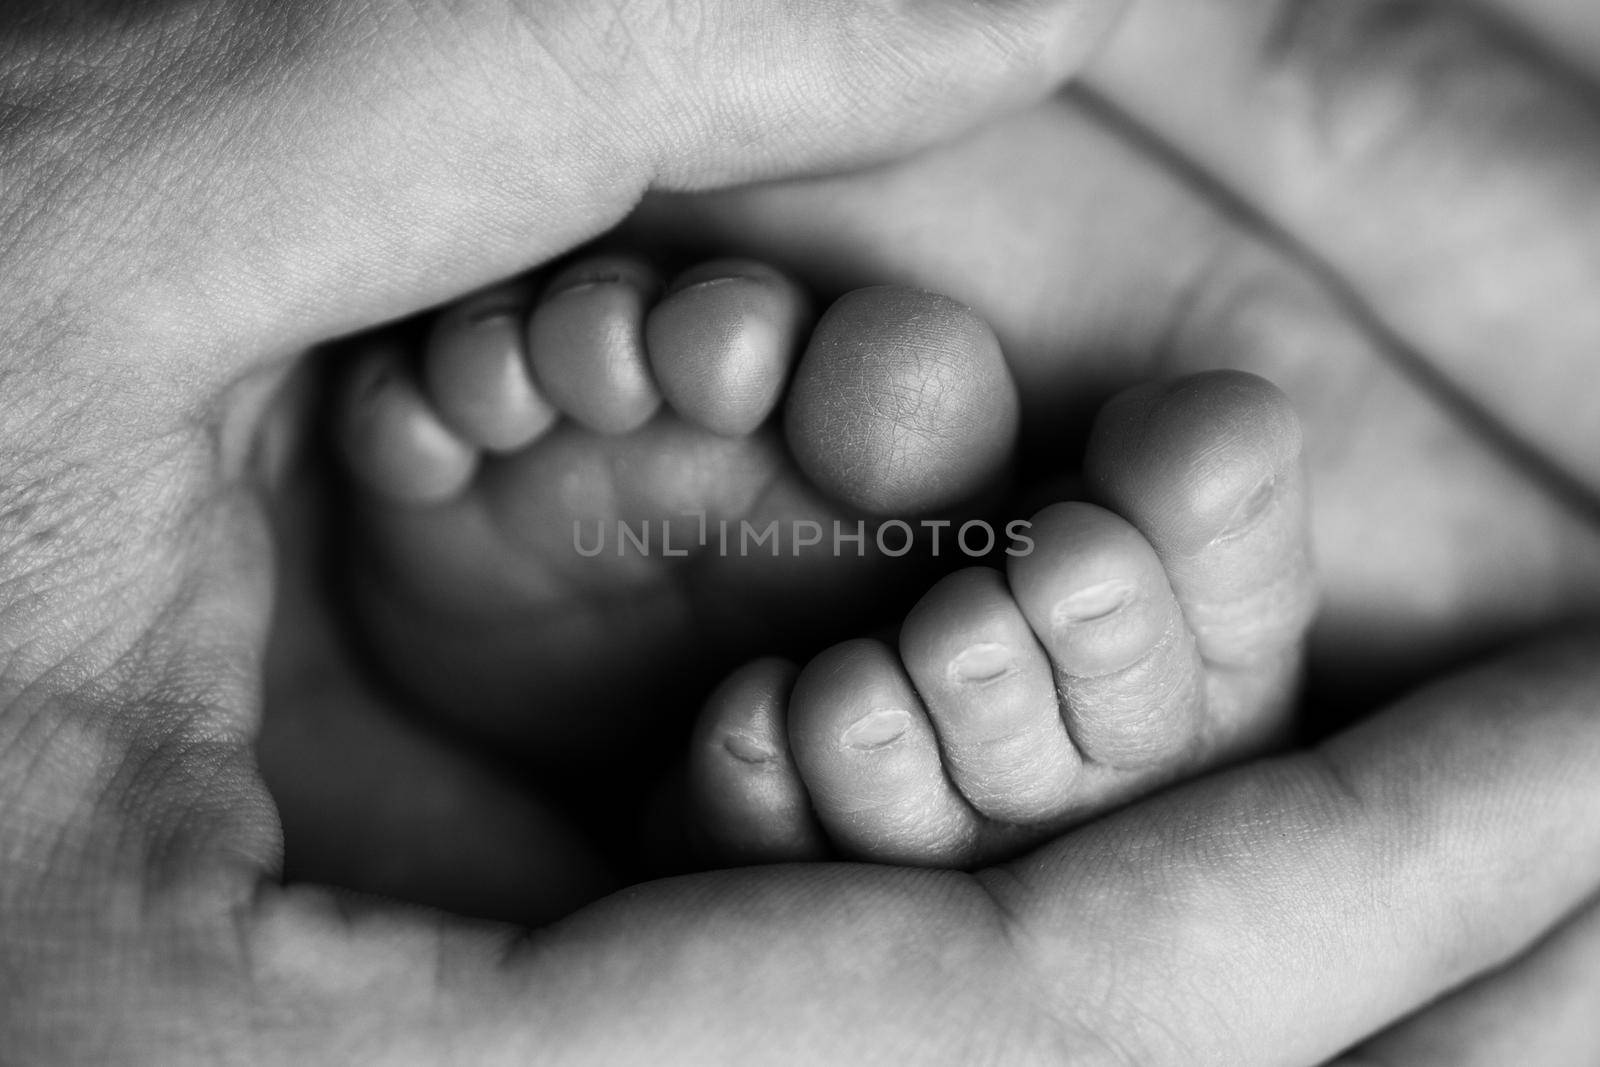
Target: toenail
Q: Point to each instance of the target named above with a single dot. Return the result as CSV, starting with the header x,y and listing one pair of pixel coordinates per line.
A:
x,y
1094,603
980,664
706,283
594,276
876,729
583,285
493,314
1250,510
747,749
721,272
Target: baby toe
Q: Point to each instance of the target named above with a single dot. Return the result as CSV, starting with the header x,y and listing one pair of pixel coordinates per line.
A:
x,y
1097,597
991,694
722,341
747,801
871,761
393,442
1209,468
586,343
475,369
902,403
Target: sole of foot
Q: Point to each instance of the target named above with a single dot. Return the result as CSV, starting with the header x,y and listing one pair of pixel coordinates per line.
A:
x,y
582,502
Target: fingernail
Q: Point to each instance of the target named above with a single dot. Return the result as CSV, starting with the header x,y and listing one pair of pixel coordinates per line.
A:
x,y
986,662
876,729
747,749
1095,603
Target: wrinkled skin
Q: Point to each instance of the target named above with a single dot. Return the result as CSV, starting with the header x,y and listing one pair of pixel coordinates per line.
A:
x,y
191,197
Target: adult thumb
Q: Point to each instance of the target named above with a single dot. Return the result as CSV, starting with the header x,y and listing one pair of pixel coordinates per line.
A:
x,y
268,175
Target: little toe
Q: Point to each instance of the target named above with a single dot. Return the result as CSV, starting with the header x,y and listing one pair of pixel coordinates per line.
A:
x,y
586,343
476,371
1129,677
1209,468
747,802
871,762
991,694
902,403
722,340
392,441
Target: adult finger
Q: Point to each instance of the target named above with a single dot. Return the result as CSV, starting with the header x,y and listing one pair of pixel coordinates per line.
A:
x,y
1334,892
1539,1009
1269,915
238,180
1441,168
1321,896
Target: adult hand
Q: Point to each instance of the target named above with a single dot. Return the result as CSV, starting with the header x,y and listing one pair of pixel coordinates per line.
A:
x,y
171,252
193,194
1386,207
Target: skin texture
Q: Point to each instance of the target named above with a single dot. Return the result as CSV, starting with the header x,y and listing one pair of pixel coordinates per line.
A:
x,y
938,432
193,196
1121,653
1488,528
483,588
1406,548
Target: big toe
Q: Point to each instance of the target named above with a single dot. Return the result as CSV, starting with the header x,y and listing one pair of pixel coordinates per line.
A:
x,y
1208,468
902,403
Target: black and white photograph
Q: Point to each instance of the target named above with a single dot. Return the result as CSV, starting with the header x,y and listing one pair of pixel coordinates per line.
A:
x,y
800,532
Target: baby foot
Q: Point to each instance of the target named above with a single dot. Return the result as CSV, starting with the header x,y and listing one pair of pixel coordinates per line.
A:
x,y
567,507
1136,643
